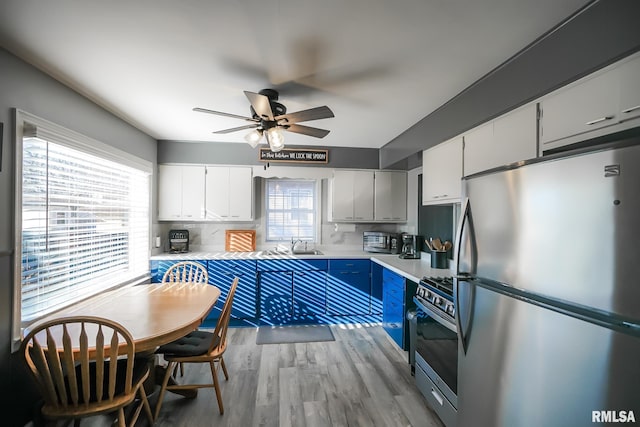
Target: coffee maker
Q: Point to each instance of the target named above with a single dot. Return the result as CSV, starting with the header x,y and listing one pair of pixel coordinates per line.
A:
x,y
410,246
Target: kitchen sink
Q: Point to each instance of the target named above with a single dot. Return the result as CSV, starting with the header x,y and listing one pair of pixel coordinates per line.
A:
x,y
280,252
308,252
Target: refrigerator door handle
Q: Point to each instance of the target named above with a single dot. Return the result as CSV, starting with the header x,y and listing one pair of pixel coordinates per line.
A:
x,y
465,255
464,302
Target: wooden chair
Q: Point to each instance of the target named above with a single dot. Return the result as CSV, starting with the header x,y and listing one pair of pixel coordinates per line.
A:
x,y
199,347
85,366
186,272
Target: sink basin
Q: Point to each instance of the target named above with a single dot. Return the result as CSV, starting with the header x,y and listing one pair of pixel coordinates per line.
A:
x,y
308,252
273,252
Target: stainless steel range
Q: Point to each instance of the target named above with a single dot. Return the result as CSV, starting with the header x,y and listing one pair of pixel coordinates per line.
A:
x,y
434,346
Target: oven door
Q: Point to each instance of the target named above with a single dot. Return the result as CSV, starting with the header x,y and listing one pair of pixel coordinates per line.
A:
x,y
436,352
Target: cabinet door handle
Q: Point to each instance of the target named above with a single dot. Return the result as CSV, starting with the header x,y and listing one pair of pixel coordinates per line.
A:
x,y
628,110
601,119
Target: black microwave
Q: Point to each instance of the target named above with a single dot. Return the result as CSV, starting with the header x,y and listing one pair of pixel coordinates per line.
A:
x,y
381,242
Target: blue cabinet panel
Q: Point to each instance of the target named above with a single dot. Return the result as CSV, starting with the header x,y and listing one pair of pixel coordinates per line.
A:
x,y
376,288
291,291
309,296
393,306
221,274
349,287
276,297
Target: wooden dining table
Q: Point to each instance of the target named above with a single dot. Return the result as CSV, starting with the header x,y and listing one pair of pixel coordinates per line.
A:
x,y
154,314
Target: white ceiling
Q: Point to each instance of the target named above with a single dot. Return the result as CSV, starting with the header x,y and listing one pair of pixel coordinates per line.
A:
x,y
380,65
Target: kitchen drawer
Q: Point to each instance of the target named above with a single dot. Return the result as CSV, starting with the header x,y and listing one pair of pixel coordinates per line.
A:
x,y
351,265
391,278
393,306
292,264
393,290
233,266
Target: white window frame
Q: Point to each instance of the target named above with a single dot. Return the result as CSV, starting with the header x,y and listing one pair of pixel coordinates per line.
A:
x,y
318,210
78,142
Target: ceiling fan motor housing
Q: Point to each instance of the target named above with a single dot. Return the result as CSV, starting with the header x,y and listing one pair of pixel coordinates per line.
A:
x,y
276,108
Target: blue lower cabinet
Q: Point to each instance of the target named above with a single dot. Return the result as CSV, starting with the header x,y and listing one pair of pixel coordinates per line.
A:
x,y
221,274
349,287
309,296
292,291
392,320
397,299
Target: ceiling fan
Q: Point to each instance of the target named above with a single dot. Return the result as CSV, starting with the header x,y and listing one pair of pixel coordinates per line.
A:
x,y
270,118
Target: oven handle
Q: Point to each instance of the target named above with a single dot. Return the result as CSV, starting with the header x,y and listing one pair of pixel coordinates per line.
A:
x,y
435,315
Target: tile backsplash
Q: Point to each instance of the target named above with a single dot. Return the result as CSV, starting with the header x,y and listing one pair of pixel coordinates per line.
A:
x,y
210,236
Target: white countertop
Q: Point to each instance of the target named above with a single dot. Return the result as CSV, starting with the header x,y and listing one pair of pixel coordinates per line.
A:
x,y
412,269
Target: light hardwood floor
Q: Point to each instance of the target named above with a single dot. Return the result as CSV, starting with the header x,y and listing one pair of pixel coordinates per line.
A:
x,y
360,379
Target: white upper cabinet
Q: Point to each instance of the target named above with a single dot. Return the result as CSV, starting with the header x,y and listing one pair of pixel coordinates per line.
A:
x,y
390,196
590,105
441,173
605,102
507,139
181,192
351,196
630,90
229,193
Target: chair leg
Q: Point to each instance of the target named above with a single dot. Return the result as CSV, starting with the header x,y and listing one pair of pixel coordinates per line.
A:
x,y
216,385
145,404
224,368
163,388
121,421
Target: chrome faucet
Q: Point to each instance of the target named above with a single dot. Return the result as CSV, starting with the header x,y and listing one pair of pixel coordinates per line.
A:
x,y
295,242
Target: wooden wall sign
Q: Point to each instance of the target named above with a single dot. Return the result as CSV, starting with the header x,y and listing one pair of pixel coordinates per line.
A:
x,y
294,155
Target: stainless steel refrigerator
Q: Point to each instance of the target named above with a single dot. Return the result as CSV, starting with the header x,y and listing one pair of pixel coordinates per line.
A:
x,y
548,292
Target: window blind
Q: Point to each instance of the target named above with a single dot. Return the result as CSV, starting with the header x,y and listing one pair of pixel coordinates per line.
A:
x,y
85,224
290,210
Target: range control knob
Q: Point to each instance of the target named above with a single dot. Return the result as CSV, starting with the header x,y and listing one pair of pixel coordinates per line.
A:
x,y
437,301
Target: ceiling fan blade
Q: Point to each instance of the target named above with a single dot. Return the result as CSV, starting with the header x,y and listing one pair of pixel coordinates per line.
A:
x,y
219,113
238,128
260,104
307,130
316,113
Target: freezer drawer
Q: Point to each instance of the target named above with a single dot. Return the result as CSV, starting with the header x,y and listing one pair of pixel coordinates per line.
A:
x,y
527,365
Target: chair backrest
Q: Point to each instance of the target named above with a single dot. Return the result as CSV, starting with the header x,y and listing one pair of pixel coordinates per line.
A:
x,y
223,322
186,272
60,353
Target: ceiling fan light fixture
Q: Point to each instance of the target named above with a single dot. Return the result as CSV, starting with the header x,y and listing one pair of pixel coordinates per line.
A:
x,y
275,138
254,137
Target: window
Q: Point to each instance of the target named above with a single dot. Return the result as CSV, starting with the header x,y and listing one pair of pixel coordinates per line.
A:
x,y
82,218
291,210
